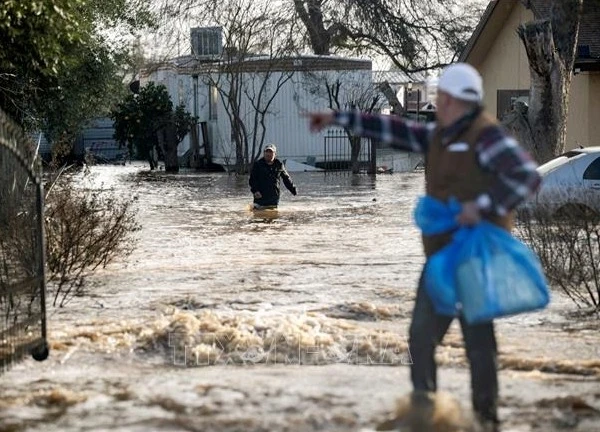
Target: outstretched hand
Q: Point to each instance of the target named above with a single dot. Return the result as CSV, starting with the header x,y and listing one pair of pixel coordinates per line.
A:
x,y
317,121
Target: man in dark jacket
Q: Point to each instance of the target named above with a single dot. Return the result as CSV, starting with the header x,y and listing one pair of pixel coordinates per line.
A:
x,y
264,179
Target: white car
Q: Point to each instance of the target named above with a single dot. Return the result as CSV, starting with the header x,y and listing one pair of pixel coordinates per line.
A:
x,y
570,184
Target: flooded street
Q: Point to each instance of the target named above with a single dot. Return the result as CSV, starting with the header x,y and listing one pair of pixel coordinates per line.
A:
x,y
225,320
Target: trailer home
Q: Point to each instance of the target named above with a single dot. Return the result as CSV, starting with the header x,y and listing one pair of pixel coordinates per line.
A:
x,y
281,88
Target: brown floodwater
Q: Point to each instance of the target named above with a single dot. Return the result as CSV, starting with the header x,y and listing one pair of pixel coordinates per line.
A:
x,y
295,320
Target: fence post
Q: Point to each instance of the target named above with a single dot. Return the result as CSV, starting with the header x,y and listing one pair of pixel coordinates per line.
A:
x,y
22,249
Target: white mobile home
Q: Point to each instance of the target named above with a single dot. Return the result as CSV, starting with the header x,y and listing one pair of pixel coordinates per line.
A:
x,y
289,87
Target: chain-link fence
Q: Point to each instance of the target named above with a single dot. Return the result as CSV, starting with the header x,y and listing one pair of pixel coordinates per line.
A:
x,y
22,249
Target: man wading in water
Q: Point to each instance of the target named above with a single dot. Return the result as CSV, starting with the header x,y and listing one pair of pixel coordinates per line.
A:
x,y
469,156
264,180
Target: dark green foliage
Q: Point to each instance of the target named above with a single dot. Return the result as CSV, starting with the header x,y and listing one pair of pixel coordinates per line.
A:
x,y
183,122
37,33
57,70
87,89
140,116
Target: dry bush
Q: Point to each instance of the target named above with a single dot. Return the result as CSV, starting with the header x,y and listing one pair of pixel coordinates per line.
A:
x,y
569,249
85,230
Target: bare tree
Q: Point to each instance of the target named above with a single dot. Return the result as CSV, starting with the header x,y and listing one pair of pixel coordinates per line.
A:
x,y
345,91
414,35
252,70
550,44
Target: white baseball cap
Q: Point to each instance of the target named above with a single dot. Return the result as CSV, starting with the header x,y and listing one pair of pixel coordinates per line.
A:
x,y
271,147
462,81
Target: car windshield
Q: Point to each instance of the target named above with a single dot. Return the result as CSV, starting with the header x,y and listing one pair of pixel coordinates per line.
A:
x,y
554,163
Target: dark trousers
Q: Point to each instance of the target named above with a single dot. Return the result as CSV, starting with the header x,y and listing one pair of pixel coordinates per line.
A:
x,y
427,330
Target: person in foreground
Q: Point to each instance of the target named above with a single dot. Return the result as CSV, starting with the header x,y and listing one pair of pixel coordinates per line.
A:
x,y
468,155
264,179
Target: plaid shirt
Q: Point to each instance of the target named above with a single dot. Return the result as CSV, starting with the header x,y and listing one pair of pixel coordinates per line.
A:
x,y
516,176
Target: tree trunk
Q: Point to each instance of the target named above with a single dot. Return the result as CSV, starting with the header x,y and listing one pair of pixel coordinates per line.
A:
x,y
354,154
391,97
550,46
167,139
152,159
517,123
548,98
240,148
195,160
311,14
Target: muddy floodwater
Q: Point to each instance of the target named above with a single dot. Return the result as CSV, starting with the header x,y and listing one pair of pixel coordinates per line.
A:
x,y
296,320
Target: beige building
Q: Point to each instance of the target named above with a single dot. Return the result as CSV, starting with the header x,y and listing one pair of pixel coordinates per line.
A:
x,y
497,52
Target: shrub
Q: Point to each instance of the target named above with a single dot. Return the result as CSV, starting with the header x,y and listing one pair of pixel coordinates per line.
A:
x,y
569,250
85,230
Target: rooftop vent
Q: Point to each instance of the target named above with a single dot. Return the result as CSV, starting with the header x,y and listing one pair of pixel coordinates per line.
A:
x,y
207,42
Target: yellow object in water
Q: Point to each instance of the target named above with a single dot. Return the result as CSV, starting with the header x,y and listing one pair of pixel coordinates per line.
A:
x,y
264,212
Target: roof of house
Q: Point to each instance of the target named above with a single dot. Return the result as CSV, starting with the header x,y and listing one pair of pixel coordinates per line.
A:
x,y
482,25
265,63
498,11
589,27
189,64
397,77
424,106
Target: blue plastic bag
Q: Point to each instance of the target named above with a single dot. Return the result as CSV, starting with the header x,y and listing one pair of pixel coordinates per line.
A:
x,y
433,216
497,275
439,277
484,273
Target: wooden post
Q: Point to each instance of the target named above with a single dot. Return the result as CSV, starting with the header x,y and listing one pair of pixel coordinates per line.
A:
x,y
195,160
373,168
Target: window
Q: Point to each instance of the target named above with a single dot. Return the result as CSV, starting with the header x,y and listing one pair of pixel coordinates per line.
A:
x,y
180,91
593,170
213,94
507,99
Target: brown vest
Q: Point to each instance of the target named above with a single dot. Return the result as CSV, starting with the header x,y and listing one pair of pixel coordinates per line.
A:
x,y
457,174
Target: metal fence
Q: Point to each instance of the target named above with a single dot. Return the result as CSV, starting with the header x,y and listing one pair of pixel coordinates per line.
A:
x,y
338,153
22,250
